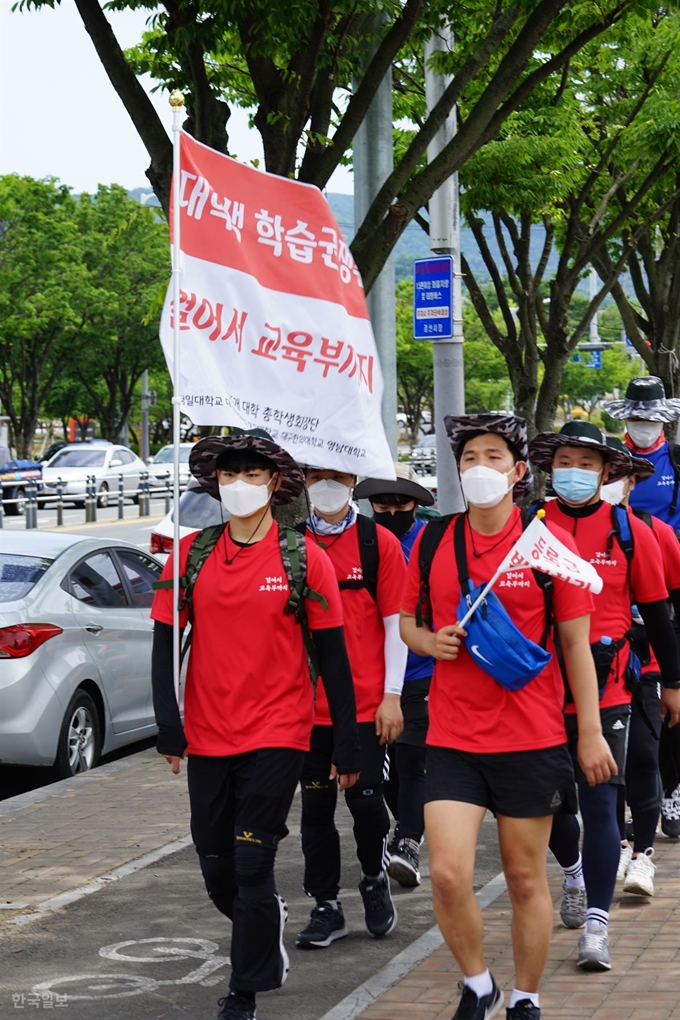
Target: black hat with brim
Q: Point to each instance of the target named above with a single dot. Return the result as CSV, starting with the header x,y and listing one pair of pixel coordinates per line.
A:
x,y
402,485
461,427
581,434
641,467
203,461
645,399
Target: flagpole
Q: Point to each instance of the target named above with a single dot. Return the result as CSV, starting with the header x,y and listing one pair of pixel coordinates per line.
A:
x,y
480,598
177,104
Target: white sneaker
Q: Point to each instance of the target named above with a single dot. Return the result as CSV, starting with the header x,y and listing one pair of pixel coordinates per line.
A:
x,y
624,861
640,877
593,948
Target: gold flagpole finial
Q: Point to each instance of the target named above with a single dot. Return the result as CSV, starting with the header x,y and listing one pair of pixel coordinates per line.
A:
x,y
176,99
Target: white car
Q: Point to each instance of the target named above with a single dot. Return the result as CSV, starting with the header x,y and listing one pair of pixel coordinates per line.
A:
x,y
107,462
197,510
161,467
75,648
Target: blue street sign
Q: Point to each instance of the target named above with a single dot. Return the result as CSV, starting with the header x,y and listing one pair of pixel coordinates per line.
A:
x,y
595,359
433,298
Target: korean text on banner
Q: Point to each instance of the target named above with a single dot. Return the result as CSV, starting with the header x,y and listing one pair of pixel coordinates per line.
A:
x,y
273,321
538,548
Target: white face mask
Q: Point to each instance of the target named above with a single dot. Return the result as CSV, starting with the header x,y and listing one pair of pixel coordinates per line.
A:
x,y
242,499
644,433
329,497
614,492
484,487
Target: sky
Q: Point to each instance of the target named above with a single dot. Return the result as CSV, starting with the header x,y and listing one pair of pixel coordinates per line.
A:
x,y
60,116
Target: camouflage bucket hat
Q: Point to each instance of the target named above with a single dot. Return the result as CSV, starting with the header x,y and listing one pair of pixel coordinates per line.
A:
x,y
582,434
645,399
641,468
512,428
203,458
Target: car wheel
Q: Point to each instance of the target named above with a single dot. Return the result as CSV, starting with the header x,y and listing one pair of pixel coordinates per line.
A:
x,y
17,509
79,746
103,498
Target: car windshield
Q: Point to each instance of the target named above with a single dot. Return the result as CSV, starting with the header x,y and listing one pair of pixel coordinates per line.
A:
x,y
427,443
165,456
18,574
79,458
199,510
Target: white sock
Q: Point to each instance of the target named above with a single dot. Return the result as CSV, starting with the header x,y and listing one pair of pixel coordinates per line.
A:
x,y
517,996
595,914
573,876
481,984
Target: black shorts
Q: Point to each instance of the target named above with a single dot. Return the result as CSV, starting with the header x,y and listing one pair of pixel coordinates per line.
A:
x,y
518,784
615,726
414,707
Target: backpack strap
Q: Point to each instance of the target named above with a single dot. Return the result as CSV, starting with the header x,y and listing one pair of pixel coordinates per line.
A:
x,y
643,515
461,554
369,554
294,557
674,450
430,537
621,528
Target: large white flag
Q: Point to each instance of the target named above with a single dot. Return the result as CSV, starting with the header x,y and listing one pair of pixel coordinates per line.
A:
x,y
273,321
538,548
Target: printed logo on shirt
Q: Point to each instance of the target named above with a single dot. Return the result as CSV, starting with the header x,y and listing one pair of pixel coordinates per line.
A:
x,y
274,584
514,579
665,480
355,574
248,837
603,559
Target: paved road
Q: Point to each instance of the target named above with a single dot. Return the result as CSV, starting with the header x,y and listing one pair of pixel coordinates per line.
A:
x,y
133,528
182,967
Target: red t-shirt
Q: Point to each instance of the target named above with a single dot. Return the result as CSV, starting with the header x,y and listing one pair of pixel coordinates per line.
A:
x,y
641,580
670,554
469,710
248,683
364,628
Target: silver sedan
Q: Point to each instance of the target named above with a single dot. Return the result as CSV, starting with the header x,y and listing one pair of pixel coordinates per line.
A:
x,y
75,463
75,648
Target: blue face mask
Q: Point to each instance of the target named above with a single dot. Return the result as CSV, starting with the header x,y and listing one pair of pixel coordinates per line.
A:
x,y
575,485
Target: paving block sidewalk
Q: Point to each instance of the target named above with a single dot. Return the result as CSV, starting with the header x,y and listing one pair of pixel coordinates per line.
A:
x,y
644,982
63,836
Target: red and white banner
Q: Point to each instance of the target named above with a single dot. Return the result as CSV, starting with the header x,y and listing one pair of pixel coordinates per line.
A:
x,y
274,330
538,548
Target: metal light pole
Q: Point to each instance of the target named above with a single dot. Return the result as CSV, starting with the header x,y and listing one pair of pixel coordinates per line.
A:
x,y
144,452
449,376
373,163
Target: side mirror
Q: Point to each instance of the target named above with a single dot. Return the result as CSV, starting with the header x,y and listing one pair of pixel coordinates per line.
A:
x,y
116,462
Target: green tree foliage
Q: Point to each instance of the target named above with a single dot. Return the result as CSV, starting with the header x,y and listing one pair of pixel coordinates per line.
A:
x,y
295,64
584,386
590,154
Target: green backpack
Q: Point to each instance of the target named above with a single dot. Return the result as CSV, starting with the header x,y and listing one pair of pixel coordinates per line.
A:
x,y
294,558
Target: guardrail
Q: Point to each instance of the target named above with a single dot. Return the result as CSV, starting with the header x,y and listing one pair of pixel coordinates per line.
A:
x,y
90,500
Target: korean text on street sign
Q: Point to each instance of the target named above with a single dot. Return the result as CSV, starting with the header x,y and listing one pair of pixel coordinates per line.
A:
x,y
433,298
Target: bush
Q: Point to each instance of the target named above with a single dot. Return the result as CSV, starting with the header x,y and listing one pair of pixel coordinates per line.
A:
x,y
614,425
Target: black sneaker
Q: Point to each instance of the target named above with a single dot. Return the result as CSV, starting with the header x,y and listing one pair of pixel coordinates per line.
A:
x,y
379,910
404,863
327,923
471,1007
670,815
394,840
236,1007
523,1010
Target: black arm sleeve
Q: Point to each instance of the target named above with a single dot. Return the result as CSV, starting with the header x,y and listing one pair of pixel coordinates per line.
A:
x,y
337,681
674,596
661,637
171,739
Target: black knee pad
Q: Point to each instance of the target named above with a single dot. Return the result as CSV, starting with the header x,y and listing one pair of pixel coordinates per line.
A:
x,y
254,857
369,811
220,881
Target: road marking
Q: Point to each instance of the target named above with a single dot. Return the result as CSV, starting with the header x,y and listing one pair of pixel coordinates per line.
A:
x,y
166,950
64,899
403,963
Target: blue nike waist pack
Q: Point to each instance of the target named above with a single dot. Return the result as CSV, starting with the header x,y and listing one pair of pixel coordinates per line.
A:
x,y
493,640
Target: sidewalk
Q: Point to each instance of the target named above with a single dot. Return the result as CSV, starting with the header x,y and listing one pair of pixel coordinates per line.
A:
x,y
644,981
63,836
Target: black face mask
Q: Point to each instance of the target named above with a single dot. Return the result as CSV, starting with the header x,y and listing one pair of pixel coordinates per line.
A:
x,y
399,523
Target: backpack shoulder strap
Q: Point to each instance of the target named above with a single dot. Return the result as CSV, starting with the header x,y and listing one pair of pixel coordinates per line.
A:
x,y
674,450
294,558
431,536
643,515
622,530
461,554
369,554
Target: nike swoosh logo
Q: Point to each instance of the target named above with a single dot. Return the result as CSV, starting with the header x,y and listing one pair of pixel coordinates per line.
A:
x,y
475,651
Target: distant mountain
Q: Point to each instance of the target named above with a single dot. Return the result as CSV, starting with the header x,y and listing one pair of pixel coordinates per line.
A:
x,y
413,243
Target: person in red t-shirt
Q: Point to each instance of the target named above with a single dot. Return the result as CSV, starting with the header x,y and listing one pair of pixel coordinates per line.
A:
x,y
377,656
580,462
249,703
490,747
643,789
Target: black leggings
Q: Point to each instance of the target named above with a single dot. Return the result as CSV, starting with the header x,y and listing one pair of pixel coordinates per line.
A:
x,y
319,836
239,806
643,782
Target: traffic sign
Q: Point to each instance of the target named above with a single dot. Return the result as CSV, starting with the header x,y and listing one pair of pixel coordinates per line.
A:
x,y
433,298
